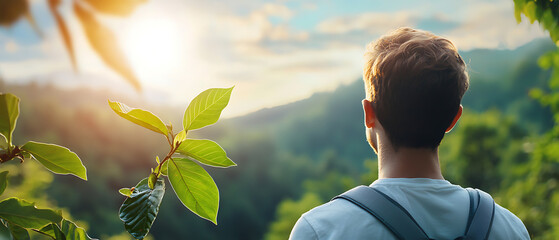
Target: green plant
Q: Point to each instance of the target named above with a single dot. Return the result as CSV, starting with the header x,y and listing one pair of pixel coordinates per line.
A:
x,y
194,187
18,215
538,187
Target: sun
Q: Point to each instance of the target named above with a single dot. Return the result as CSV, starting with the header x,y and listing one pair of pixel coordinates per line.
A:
x,y
155,49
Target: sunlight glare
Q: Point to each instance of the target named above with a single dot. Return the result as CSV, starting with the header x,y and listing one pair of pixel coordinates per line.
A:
x,y
155,49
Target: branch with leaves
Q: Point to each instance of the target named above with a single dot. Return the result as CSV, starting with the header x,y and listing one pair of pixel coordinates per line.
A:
x,y
20,216
192,184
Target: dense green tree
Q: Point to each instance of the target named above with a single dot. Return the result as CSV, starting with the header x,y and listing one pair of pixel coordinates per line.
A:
x,y
482,149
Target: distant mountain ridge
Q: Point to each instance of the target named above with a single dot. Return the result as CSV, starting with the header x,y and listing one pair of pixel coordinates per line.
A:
x,y
489,64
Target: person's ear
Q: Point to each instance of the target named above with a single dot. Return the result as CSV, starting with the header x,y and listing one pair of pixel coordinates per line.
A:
x,y
370,115
455,120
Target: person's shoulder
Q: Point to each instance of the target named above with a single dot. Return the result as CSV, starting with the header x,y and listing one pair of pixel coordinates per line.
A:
x,y
506,225
337,219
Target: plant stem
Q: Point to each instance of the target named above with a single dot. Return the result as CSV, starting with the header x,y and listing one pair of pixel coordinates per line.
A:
x,y
174,148
11,154
171,152
169,140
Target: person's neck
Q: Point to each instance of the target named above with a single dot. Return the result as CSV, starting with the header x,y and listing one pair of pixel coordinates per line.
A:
x,y
409,163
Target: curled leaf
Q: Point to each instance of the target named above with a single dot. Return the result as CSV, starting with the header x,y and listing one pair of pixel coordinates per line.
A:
x,y
105,44
138,212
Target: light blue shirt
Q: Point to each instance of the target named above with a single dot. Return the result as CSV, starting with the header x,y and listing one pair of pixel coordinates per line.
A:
x,y
438,206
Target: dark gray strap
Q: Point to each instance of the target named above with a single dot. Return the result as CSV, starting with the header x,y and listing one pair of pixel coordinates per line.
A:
x,y
386,210
480,225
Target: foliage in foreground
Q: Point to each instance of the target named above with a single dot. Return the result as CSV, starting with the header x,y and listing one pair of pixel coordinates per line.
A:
x,y
194,187
540,188
20,216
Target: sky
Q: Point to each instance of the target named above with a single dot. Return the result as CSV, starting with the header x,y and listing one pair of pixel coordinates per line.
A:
x,y
273,52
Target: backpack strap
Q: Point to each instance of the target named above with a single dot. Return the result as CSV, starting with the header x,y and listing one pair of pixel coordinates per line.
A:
x,y
480,222
403,225
386,210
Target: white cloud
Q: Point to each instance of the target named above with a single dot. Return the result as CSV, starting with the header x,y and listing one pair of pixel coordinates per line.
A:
x,y
492,25
25,69
256,26
371,22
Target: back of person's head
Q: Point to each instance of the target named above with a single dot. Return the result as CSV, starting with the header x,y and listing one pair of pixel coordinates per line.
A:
x,y
415,82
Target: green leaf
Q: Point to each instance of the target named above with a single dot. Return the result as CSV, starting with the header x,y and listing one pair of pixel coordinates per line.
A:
x,y
56,158
72,231
3,181
206,108
9,112
194,187
140,210
164,167
179,138
18,233
25,214
3,142
205,151
53,231
4,231
141,117
105,43
151,180
125,191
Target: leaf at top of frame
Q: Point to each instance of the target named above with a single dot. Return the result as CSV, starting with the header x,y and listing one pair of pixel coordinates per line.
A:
x,y
104,42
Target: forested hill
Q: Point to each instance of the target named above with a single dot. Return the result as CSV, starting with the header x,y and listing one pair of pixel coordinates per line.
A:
x,y
491,64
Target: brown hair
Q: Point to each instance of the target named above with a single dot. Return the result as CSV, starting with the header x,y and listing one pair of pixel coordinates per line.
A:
x,y
415,81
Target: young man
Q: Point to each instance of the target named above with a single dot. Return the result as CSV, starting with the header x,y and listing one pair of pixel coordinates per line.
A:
x,y
414,83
